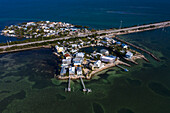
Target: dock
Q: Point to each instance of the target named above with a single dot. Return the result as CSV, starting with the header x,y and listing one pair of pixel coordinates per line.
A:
x,y
122,68
84,87
69,88
138,48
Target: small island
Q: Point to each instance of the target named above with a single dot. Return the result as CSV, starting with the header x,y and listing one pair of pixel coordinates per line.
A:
x,y
44,29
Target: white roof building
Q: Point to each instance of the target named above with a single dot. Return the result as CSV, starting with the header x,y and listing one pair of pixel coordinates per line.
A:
x,y
104,52
97,63
72,71
124,46
59,49
129,54
63,71
80,55
66,62
79,71
108,58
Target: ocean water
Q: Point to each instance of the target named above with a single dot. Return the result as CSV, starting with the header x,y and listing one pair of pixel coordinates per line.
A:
x,y
99,14
27,83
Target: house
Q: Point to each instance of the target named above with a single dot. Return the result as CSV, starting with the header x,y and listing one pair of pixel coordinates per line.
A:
x,y
107,39
67,56
63,71
107,59
91,66
79,71
104,52
97,63
80,55
129,54
11,31
73,50
103,42
72,71
74,45
113,41
59,49
77,61
119,43
124,46
66,62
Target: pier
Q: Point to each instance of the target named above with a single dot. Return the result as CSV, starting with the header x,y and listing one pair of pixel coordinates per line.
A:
x,y
138,48
122,68
84,87
69,88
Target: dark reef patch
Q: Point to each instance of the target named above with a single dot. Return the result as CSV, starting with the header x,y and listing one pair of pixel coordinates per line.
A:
x,y
40,84
7,81
134,82
163,58
97,108
160,89
6,101
124,110
1,92
60,97
147,65
118,72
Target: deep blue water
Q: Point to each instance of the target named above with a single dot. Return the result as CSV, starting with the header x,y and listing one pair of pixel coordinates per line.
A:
x,y
100,14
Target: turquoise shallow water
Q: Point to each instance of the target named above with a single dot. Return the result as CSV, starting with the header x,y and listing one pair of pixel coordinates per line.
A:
x,y
26,78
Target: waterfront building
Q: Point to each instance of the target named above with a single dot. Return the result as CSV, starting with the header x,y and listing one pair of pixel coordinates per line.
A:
x,y
97,63
74,45
66,62
67,56
104,52
79,71
113,41
80,55
59,49
107,39
72,71
107,59
63,71
119,43
129,54
124,46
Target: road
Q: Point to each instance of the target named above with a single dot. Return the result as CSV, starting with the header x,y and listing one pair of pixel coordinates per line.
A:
x,y
158,25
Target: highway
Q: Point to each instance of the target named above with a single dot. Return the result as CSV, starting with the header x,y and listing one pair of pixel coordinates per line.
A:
x,y
158,25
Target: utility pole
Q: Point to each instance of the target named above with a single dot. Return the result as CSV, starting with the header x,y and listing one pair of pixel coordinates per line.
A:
x,y
120,24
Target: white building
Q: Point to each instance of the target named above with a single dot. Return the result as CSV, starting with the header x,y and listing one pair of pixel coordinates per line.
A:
x,y
108,58
80,55
66,62
124,46
59,49
97,63
72,71
79,71
113,41
129,54
63,71
104,52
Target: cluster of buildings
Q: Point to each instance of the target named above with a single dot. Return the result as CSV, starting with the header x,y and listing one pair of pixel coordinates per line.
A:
x,y
43,29
77,64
